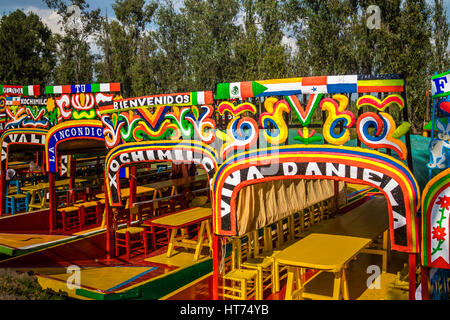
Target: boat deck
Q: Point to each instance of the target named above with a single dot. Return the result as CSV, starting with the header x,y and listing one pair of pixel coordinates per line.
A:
x,y
322,284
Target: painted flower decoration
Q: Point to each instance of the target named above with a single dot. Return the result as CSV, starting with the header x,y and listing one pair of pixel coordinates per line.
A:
x,y
444,202
439,233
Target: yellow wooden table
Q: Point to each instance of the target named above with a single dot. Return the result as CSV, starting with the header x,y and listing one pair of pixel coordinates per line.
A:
x,y
181,220
325,252
17,165
125,193
176,183
40,190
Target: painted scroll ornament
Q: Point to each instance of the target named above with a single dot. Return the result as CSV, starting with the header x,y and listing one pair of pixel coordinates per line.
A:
x,y
236,110
202,122
36,118
242,133
83,103
178,117
381,105
63,103
111,129
274,117
16,117
336,114
384,126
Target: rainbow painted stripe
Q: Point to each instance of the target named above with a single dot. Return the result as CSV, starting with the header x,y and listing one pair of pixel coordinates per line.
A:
x,y
403,236
381,105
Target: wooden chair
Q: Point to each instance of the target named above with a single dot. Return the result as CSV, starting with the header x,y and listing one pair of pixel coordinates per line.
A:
x,y
17,203
256,260
132,239
237,283
91,212
69,217
15,200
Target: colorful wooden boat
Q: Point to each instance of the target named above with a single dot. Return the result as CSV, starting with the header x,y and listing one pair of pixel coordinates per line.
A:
x,y
436,197
240,136
32,125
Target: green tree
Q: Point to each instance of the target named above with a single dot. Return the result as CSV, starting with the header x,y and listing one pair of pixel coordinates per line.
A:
x,y
172,54
441,32
259,52
324,35
27,49
127,48
211,31
411,56
73,48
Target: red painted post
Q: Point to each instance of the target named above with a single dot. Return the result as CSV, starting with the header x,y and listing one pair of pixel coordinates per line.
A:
x,y
73,171
108,224
425,281
133,183
412,276
52,200
3,191
216,258
336,195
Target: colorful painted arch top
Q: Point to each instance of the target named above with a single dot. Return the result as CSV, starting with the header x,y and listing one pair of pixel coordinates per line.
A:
x,y
83,88
354,165
435,221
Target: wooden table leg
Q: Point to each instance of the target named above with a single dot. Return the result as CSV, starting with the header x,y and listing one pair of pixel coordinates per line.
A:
x,y
345,284
293,277
386,250
289,283
173,234
209,234
276,276
337,285
199,246
32,200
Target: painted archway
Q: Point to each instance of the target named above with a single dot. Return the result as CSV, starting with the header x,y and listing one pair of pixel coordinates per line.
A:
x,y
354,165
148,151
26,136
67,131
435,249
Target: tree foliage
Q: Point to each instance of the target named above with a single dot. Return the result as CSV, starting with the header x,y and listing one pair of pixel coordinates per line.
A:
x,y
26,46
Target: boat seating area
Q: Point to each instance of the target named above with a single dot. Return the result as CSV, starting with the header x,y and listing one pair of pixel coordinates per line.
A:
x,y
264,260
